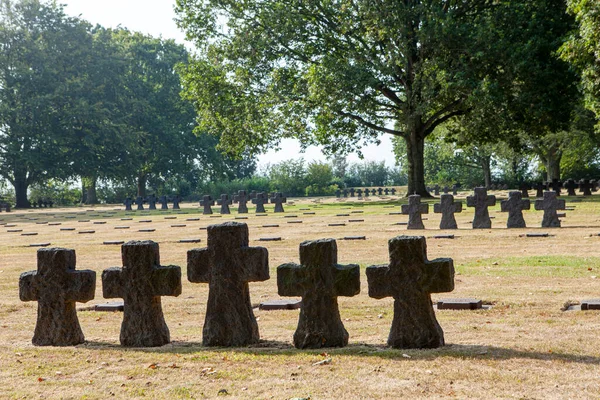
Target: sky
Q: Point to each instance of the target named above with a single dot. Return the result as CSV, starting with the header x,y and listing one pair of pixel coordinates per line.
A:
x,y
155,17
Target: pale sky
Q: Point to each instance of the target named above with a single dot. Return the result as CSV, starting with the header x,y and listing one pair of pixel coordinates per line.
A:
x,y
155,17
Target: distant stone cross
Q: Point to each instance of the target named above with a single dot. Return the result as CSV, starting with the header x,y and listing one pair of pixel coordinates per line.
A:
x,y
351,192
414,209
550,204
242,199
585,186
571,185
446,190
141,283
278,199
260,200
319,280
338,193
447,207
176,201
359,192
555,185
56,286
436,190
481,201
514,206
380,191
454,190
367,193
410,279
140,203
206,202
386,191
164,204
227,265
224,202
127,204
539,189
524,188
345,193
151,202
373,192
393,191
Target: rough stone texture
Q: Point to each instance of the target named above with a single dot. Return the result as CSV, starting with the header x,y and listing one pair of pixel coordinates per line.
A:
x,y
447,207
242,199
286,304
410,279
227,265
141,283
260,200
460,304
481,201
514,206
585,187
414,209
140,203
56,286
550,204
319,280
164,203
278,199
127,204
207,202
570,185
224,202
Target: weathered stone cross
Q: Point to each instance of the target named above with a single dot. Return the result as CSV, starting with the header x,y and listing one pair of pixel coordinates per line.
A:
x,y
319,280
278,199
571,185
176,200
127,204
242,199
164,204
410,279
515,206
140,203
151,202
555,185
227,265
206,202
56,286
585,186
224,202
140,283
539,189
414,209
524,188
481,201
550,204
447,207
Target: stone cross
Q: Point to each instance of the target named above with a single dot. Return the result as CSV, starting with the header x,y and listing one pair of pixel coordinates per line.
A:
x,y
550,204
367,193
227,265
351,192
224,202
373,192
338,193
164,204
539,188
380,191
570,185
585,186
260,200
140,283
410,279
151,202
206,202
345,193
359,192
140,203
555,185
56,286
393,191
446,189
515,206
436,189
481,201
127,204
386,191
242,199
176,201
319,280
524,188
414,209
447,207
454,190
278,199
252,195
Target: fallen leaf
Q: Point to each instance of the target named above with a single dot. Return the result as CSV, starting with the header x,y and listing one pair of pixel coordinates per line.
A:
x,y
152,366
174,366
324,354
40,379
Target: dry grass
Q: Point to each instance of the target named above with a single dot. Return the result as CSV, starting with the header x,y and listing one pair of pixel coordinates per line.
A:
x,y
524,347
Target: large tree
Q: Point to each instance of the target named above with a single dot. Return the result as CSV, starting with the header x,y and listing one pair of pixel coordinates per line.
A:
x,y
337,72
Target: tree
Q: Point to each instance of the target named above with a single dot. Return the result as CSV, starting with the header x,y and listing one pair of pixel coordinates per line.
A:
x,y
338,72
288,177
39,50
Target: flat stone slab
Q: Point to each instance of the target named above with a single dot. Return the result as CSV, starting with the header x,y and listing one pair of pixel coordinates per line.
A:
x,y
126,219
342,215
337,224
146,230
29,234
241,218
270,226
121,227
67,229
113,242
294,222
357,212
170,218
287,304
84,220
290,216
354,238
192,219
270,239
443,237
10,225
178,226
590,304
41,223
70,217
99,222
190,240
144,221
86,232
356,220
561,215
401,223
388,206
395,213
54,223
309,213
40,244
14,230
459,304
109,307
536,235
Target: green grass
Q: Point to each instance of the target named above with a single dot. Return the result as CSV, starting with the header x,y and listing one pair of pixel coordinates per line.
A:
x,y
533,266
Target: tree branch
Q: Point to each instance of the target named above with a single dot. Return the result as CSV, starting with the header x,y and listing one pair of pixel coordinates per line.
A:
x,y
371,125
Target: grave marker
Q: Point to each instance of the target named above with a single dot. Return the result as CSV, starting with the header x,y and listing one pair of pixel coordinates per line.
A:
x,y
539,188
571,185
481,201
140,203
414,209
151,202
550,204
585,186
278,199
515,206
260,200
447,207
242,199
224,202
206,202
164,203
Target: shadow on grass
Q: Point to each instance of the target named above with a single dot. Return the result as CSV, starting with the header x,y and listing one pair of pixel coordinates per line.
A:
x,y
270,348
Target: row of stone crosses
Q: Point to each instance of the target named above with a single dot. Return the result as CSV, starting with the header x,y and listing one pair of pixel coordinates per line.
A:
x,y
152,200
228,264
352,192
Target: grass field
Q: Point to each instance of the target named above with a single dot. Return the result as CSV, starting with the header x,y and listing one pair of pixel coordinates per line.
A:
x,y
524,347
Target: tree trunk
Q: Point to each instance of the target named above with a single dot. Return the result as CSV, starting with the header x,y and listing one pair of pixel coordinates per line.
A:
x,y
21,185
552,164
141,185
487,171
91,196
83,191
415,147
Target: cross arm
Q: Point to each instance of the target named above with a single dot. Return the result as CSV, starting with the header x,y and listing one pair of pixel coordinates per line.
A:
x,y
438,276
379,282
112,286
458,207
256,264
504,206
83,285
290,279
166,280
539,204
198,265
491,200
28,290
346,280
405,208
560,205
526,204
437,208
424,208
471,201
